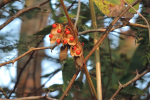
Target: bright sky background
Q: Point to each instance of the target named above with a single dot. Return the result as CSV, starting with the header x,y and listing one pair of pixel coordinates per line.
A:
x,y
9,74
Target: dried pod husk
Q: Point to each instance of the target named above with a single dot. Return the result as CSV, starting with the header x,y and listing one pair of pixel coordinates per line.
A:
x,y
55,34
75,48
79,60
67,36
63,52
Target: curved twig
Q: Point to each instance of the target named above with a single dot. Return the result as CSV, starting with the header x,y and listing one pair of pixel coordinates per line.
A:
x,y
30,50
21,12
78,12
141,16
126,84
100,40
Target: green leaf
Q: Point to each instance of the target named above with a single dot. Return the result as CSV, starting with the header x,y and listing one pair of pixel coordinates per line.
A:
x,y
79,84
68,72
44,31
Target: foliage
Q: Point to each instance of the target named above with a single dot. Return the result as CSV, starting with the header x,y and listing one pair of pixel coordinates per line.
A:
x,y
115,65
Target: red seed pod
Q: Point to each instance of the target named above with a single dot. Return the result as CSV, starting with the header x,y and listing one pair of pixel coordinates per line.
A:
x,y
50,35
59,30
74,47
82,43
78,52
54,25
58,40
65,41
67,31
71,38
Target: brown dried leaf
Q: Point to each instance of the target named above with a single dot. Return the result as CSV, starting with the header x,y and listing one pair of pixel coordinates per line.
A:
x,y
79,60
63,52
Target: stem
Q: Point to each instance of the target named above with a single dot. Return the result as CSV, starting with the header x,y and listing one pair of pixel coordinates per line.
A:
x,y
97,51
91,86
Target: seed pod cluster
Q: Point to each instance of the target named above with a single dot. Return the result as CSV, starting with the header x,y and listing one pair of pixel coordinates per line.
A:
x,y
67,38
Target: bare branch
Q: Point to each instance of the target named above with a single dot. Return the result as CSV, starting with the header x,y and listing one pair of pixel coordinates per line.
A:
x,y
120,26
11,13
141,16
100,40
4,2
3,92
21,12
78,12
30,50
126,84
32,98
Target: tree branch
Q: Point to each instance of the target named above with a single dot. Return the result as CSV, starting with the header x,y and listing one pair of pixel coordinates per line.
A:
x,y
46,97
21,12
100,40
120,26
3,92
141,16
4,2
30,50
126,84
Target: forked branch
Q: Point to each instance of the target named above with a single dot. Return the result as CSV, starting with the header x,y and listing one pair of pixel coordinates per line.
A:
x,y
30,50
126,84
21,12
100,40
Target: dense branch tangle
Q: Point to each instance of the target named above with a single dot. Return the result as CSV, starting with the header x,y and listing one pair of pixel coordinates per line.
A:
x,y
106,31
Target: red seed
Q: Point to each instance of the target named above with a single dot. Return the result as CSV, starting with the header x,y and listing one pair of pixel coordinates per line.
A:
x,y
67,32
74,47
71,38
59,30
58,40
82,43
50,35
54,25
65,41
78,52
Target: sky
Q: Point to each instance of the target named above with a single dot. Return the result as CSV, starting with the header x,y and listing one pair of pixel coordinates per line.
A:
x,y
9,74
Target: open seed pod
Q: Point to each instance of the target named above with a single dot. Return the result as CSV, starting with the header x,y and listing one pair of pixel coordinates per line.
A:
x,y
68,34
76,50
79,60
63,52
56,33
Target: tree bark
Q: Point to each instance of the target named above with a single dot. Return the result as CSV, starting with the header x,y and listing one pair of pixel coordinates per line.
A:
x,y
33,22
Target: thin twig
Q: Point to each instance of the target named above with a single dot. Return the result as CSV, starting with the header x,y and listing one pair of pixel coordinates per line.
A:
x,y
78,12
44,83
4,2
141,16
91,86
46,97
120,26
11,13
75,31
100,40
94,48
30,50
21,12
126,84
1,90
19,75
